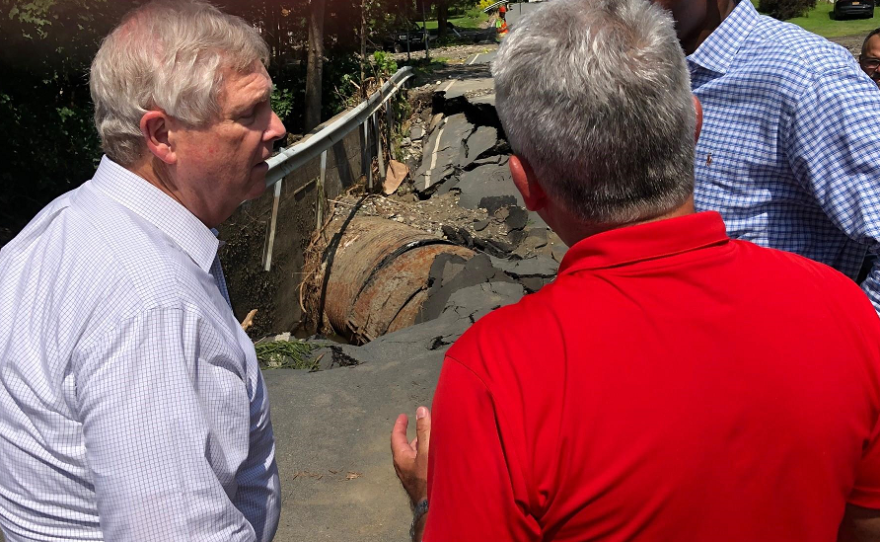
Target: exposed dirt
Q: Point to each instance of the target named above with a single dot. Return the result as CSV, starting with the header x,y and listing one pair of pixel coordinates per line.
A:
x,y
451,54
428,215
853,43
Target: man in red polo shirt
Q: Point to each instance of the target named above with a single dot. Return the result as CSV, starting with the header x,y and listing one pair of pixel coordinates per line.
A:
x,y
671,384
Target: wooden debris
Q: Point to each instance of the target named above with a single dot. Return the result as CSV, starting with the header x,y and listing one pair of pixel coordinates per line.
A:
x,y
248,320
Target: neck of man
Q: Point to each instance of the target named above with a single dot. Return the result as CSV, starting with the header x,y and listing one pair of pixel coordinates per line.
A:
x,y
578,231
694,29
154,171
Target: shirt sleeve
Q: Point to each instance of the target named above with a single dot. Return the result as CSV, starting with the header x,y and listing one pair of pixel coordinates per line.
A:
x,y
833,148
866,490
470,487
166,417
259,488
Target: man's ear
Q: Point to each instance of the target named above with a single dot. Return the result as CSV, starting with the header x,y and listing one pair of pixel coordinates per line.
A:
x,y
155,127
698,107
527,183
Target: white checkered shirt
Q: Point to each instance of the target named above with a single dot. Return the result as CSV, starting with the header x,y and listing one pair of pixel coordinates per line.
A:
x,y
790,148
132,407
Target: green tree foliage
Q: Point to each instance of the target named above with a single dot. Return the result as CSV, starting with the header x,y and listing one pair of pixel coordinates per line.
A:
x,y
45,111
786,9
46,47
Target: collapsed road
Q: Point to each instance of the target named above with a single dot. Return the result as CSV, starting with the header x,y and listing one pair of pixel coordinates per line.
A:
x,y
401,276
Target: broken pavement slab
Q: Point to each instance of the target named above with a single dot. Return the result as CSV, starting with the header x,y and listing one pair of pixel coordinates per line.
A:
x,y
451,275
458,89
490,185
489,180
474,96
478,144
517,218
537,266
442,151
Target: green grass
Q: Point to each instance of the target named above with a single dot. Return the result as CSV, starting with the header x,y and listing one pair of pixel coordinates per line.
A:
x,y
471,20
286,355
819,21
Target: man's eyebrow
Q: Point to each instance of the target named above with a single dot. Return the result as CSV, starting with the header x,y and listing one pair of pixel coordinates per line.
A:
x,y
270,88
264,94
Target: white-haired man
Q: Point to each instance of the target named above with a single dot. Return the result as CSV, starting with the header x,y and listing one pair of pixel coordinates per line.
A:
x,y
671,383
131,403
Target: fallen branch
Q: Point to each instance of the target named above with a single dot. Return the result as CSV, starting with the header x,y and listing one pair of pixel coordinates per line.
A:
x,y
248,320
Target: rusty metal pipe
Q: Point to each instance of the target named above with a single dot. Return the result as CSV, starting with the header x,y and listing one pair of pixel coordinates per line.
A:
x,y
378,278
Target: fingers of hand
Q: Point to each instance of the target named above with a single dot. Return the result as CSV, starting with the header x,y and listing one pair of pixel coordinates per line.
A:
x,y
423,430
399,443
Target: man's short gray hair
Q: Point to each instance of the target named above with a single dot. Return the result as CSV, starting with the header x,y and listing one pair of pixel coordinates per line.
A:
x,y
595,96
169,55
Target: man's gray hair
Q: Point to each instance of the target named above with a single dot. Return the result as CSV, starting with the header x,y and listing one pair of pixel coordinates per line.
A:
x,y
167,55
595,96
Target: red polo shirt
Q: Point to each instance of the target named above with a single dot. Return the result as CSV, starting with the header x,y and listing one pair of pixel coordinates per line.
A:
x,y
670,385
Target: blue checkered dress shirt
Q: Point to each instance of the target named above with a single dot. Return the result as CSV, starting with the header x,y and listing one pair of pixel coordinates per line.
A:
x,y
790,148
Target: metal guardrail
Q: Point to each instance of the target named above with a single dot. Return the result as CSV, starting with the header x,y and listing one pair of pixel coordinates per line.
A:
x,y
295,156
496,5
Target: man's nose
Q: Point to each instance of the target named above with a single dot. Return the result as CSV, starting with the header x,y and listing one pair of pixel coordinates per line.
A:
x,y
276,129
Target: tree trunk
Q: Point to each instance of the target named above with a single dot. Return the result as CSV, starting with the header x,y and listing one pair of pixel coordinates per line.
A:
x,y
442,18
363,89
315,66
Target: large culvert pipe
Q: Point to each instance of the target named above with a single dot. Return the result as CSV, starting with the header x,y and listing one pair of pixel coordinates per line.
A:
x,y
377,274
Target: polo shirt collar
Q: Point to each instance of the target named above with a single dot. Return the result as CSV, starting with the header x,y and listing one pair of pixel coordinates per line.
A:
x,y
159,209
650,241
722,45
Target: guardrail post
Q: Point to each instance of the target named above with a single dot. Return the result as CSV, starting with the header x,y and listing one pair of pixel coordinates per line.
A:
x,y
321,189
368,155
272,224
378,135
389,126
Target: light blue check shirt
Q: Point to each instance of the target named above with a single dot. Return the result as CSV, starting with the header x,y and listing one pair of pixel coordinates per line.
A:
x,y
132,408
790,147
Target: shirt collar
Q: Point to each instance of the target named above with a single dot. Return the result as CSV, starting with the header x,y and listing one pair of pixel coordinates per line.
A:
x,y
643,242
720,48
159,209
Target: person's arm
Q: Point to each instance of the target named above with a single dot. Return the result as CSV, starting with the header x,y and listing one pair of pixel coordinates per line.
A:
x,y
832,140
860,525
475,487
861,522
258,494
165,417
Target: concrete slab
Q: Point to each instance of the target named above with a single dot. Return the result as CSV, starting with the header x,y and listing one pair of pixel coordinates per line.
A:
x,y
477,270
489,183
483,139
536,266
490,180
443,151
